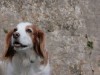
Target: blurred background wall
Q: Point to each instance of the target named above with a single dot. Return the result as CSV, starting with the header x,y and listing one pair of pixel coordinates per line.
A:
x,y
72,31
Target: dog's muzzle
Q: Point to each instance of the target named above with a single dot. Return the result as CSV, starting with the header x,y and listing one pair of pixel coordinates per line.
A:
x,y
17,44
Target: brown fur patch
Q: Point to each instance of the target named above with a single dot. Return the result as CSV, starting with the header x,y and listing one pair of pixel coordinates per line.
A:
x,y
39,44
9,53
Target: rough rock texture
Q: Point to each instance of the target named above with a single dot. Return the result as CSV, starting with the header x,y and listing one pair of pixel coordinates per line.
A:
x,y
72,31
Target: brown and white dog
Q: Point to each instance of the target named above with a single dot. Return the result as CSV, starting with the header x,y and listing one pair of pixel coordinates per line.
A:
x,y
25,50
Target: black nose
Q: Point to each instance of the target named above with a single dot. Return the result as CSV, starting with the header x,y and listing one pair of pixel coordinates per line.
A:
x,y
16,35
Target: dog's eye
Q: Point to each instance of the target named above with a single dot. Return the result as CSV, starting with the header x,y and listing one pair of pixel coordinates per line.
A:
x,y
29,30
15,29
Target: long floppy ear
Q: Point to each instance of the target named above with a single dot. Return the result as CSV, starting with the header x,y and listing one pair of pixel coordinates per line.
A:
x,y
9,50
39,44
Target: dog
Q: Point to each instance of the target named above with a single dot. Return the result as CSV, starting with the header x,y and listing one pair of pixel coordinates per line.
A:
x,y
25,51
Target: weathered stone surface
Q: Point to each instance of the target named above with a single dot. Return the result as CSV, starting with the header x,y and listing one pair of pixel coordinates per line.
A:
x,y
69,26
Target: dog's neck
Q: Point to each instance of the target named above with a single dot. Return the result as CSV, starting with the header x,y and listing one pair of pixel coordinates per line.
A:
x,y
27,52
27,55
26,60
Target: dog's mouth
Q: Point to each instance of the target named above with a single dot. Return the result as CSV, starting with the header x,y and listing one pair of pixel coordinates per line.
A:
x,y
18,44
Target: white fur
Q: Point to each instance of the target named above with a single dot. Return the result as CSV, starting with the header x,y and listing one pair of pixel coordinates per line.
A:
x,y
24,37
20,64
23,66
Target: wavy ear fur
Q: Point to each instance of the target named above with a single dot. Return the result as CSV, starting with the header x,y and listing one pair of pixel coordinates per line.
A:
x,y
39,46
39,43
9,53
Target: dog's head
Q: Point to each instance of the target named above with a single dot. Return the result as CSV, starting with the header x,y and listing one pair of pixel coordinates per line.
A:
x,y
24,37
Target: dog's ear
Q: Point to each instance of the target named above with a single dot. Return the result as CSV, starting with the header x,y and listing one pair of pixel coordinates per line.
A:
x,y
9,50
39,43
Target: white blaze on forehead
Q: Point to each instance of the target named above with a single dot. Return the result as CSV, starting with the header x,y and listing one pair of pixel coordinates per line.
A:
x,y
23,25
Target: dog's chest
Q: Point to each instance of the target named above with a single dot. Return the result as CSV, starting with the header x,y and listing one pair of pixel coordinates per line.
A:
x,y
24,65
24,59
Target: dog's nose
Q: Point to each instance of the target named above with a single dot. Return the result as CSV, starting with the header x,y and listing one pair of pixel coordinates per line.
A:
x,y
16,35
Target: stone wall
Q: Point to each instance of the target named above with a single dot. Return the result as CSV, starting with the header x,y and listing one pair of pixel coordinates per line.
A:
x,y
72,31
